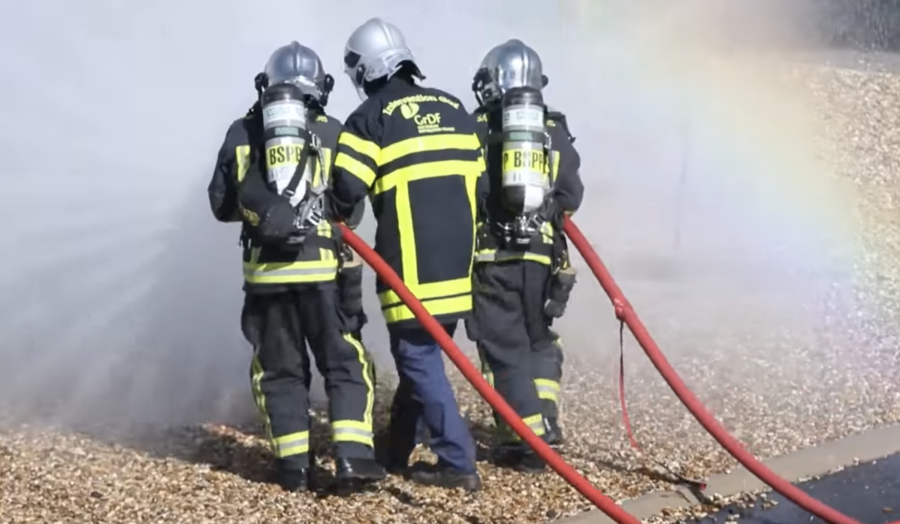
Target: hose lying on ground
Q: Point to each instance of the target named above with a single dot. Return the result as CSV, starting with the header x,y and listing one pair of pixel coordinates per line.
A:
x,y
626,314
567,472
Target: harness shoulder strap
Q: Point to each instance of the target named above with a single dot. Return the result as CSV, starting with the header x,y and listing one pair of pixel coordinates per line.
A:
x,y
561,118
301,166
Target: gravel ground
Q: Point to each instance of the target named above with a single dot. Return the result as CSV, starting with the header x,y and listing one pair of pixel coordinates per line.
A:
x,y
777,382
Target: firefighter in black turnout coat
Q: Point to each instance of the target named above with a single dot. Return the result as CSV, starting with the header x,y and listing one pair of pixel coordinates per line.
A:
x,y
522,274
414,151
272,174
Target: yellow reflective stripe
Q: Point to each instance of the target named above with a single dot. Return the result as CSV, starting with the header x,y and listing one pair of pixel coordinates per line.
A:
x,y
368,374
547,232
404,175
355,168
440,306
408,257
292,444
256,375
447,288
290,272
361,146
352,431
486,255
324,229
494,255
422,144
242,157
535,423
554,160
285,445
485,368
326,158
547,389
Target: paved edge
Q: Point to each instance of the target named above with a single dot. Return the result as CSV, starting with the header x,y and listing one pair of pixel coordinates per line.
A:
x,y
808,462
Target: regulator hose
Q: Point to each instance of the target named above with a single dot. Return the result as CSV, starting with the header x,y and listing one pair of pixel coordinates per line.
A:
x,y
567,472
625,313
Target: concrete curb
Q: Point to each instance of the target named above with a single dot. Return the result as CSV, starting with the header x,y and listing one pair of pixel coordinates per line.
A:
x,y
808,462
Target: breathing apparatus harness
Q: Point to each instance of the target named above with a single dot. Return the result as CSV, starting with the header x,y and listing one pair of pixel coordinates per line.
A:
x,y
526,170
527,180
281,133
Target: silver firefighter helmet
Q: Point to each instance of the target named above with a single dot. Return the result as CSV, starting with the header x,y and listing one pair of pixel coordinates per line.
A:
x,y
509,65
376,49
299,65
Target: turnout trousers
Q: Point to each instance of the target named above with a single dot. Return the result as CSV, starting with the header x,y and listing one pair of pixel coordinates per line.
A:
x,y
521,356
279,326
424,396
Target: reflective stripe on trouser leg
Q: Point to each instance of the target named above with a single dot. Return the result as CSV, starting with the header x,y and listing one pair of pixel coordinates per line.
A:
x,y
489,377
503,341
282,446
549,375
351,430
289,445
485,369
547,389
256,376
504,432
535,422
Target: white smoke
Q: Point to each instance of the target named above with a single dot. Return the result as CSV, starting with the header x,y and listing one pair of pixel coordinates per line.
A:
x,y
120,293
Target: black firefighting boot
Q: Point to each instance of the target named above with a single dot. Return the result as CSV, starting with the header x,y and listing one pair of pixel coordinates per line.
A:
x,y
554,434
442,476
520,457
294,477
352,473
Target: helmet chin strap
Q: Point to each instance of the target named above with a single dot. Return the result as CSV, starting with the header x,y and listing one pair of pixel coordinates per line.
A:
x,y
362,93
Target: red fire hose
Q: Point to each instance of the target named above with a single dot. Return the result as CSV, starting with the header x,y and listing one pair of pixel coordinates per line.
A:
x,y
626,314
567,472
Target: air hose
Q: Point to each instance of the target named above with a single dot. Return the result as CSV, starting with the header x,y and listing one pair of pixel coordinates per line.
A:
x,y
626,314
567,472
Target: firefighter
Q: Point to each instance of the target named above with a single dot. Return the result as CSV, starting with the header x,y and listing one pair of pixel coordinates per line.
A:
x,y
522,273
271,175
414,151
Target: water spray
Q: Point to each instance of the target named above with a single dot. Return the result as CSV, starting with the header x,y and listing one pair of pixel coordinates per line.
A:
x,y
682,180
626,314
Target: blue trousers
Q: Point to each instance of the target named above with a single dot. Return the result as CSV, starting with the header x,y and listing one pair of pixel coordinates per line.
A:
x,y
424,393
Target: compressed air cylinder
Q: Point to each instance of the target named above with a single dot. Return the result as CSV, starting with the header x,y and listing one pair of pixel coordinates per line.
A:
x,y
284,115
525,180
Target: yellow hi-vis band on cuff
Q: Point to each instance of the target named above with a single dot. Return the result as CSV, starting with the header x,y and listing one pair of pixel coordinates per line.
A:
x,y
534,422
547,389
293,444
352,431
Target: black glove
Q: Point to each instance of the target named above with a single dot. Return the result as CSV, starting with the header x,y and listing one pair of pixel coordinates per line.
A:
x,y
350,291
561,285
